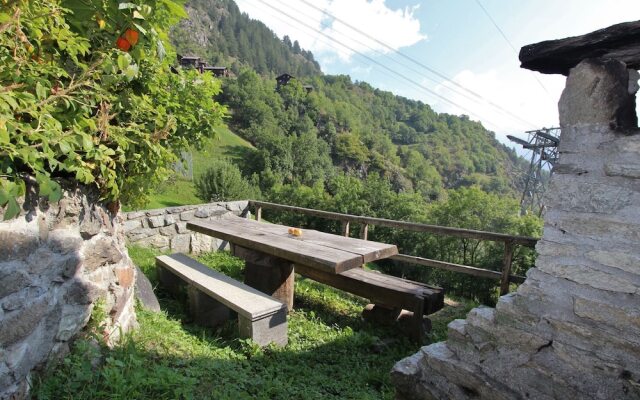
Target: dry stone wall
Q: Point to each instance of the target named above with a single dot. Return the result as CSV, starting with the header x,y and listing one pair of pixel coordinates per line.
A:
x,y
166,228
572,330
57,261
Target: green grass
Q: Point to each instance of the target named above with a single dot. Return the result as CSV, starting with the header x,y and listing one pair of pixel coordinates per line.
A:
x,y
226,144
179,191
332,352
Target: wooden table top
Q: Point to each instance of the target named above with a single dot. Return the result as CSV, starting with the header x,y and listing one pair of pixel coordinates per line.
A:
x,y
324,251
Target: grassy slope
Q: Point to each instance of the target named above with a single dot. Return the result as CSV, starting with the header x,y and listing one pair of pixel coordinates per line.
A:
x,y
332,353
180,191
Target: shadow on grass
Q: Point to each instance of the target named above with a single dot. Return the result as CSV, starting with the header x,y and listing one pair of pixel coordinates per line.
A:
x,y
238,153
332,354
170,358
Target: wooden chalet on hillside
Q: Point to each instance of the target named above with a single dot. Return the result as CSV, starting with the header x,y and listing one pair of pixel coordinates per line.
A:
x,y
217,71
285,78
198,63
190,62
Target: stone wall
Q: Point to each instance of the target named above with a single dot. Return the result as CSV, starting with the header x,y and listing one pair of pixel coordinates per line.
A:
x,y
572,330
57,261
166,228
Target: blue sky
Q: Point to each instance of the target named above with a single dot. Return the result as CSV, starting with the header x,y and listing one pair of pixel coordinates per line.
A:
x,y
455,38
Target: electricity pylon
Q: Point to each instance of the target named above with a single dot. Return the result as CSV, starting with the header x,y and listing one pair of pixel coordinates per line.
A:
x,y
543,144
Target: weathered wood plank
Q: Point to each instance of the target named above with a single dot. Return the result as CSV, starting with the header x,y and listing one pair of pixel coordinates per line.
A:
x,y
288,248
433,295
369,251
506,268
619,42
345,228
361,283
410,226
465,269
271,275
364,231
245,300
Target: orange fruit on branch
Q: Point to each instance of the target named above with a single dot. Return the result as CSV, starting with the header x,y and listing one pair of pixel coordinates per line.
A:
x,y
123,44
131,36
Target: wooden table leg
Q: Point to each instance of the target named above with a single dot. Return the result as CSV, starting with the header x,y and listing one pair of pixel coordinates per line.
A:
x,y
271,275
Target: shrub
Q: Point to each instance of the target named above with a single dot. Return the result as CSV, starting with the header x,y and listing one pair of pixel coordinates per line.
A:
x,y
78,102
223,181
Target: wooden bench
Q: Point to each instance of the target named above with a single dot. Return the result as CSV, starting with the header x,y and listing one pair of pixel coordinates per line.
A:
x,y
212,294
390,295
272,255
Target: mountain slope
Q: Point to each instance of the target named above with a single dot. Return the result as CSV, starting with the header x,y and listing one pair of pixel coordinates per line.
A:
x,y
217,31
306,136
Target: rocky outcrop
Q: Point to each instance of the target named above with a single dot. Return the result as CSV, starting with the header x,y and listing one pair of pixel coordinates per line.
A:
x,y
57,263
572,330
166,228
618,42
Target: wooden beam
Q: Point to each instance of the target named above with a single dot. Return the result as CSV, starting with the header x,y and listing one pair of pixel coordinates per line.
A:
x,y
345,228
410,226
464,269
380,289
327,259
619,42
369,251
506,268
364,231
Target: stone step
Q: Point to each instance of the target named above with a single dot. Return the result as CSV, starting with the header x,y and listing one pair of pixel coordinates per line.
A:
x,y
438,373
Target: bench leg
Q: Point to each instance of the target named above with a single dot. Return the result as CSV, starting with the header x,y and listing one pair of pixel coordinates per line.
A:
x,y
206,311
271,275
270,329
169,281
416,322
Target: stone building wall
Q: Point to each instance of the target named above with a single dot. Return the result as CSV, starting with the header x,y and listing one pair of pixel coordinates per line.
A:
x,y
572,330
57,261
166,228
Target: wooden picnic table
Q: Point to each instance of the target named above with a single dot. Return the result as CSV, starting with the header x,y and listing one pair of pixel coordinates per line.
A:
x,y
270,252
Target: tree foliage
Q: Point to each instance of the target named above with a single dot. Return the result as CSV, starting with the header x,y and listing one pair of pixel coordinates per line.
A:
x,y
345,146
230,38
74,105
223,181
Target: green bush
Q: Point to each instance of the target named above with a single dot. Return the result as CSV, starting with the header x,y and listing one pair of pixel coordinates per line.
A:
x,y
80,102
223,181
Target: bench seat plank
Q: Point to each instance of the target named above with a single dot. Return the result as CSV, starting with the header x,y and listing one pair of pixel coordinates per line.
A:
x,y
380,289
243,299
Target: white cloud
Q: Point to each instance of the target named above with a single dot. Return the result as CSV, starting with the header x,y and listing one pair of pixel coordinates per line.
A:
x,y
512,101
360,70
318,27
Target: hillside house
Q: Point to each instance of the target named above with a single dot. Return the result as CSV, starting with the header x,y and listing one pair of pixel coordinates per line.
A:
x,y
217,71
285,78
191,62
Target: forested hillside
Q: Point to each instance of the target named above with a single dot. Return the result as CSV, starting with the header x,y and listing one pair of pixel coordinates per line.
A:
x,y
218,32
326,142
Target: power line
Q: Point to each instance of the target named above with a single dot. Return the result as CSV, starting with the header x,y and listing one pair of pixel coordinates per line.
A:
x,y
410,80
493,21
463,93
426,67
